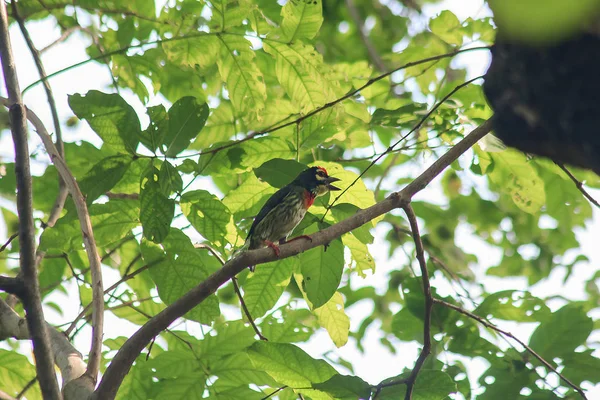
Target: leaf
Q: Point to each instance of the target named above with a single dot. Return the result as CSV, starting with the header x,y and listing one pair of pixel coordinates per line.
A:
x,y
174,363
332,317
229,13
322,272
15,372
430,385
227,338
247,199
265,286
345,387
297,74
207,214
288,364
154,134
278,172
360,254
297,326
175,276
447,27
357,194
301,19
187,387
199,50
111,117
513,305
156,209
221,126
237,369
258,151
513,174
245,82
186,119
169,179
562,333
103,176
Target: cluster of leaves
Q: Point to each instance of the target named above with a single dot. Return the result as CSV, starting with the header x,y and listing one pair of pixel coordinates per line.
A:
x,y
243,78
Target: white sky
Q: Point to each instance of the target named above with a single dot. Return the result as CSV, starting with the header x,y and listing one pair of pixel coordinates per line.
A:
x,y
377,363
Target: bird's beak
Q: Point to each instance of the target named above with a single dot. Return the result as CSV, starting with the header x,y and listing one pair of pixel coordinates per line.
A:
x,y
329,180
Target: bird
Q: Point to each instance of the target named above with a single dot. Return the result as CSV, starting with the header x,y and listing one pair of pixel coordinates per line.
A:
x,y
284,210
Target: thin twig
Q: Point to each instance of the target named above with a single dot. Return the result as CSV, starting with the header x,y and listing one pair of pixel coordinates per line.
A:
x,y
65,35
579,184
31,298
28,386
88,239
371,50
414,227
237,290
10,239
274,392
493,327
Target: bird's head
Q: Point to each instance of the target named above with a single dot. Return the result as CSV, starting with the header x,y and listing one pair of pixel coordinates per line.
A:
x,y
316,180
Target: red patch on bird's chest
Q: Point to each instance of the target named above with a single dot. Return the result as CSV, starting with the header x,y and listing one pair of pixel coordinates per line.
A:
x,y
309,198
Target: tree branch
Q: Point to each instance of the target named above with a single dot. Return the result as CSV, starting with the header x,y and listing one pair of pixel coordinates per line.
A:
x,y
120,365
32,301
88,239
67,358
579,185
493,327
414,227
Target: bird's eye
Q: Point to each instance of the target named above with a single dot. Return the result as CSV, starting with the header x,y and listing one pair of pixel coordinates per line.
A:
x,y
321,173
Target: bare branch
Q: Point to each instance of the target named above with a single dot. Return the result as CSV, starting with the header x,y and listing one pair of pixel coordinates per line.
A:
x,y
120,365
12,285
579,185
88,238
31,298
67,358
493,327
414,227
10,239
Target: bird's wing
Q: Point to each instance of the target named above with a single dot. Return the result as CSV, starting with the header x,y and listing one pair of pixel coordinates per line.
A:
x,y
273,201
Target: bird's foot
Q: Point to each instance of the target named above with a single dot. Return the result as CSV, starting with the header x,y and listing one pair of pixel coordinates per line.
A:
x,y
273,246
296,238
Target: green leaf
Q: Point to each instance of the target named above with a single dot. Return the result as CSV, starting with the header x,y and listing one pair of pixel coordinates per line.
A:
x,y
237,369
227,338
169,179
175,363
363,261
199,50
179,270
562,333
221,126
278,172
156,209
103,176
322,272
207,214
581,367
258,151
153,136
111,117
447,27
15,372
512,173
301,19
513,305
297,326
289,365
332,317
298,68
187,387
345,387
247,199
357,194
138,381
245,82
230,13
430,385
265,286
186,119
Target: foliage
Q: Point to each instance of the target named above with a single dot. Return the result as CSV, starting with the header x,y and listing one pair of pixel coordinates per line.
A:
x,y
249,93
